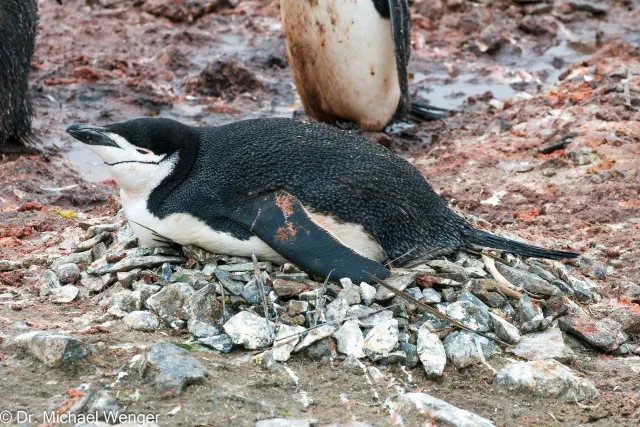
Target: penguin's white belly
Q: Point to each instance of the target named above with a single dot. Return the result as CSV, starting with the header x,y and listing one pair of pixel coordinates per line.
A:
x,y
342,58
186,229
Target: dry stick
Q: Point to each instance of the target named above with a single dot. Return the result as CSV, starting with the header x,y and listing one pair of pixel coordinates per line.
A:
x,y
265,305
430,310
319,299
502,283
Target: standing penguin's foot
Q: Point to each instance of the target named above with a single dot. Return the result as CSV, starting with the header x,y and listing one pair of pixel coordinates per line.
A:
x,y
423,111
15,146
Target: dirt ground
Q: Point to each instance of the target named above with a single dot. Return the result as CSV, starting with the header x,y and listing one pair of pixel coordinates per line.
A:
x,y
522,77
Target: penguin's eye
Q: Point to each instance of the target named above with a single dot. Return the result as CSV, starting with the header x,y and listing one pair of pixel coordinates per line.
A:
x,y
143,151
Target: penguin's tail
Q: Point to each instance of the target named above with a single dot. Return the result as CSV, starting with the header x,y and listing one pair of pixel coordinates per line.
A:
x,y
476,237
426,112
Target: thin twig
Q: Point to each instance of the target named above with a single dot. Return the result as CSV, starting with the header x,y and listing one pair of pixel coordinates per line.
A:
x,y
265,305
506,287
320,300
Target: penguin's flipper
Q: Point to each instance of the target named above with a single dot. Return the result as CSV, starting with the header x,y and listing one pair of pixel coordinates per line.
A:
x,y
282,222
401,28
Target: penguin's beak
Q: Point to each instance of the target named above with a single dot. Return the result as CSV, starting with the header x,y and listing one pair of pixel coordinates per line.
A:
x,y
91,135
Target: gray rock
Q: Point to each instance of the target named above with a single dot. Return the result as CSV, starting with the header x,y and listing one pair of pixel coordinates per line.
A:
x,y
466,349
125,301
530,282
142,321
581,290
203,311
268,363
373,319
542,273
282,422
65,294
470,315
411,352
605,334
283,348
92,283
293,277
548,344
251,293
168,303
322,351
368,293
505,330
449,295
68,273
587,6
564,288
431,352
249,330
435,324
547,378
53,350
350,339
296,307
531,317
337,310
98,251
437,411
171,368
6,265
198,254
90,243
381,340
445,266
316,334
81,259
400,280
128,264
350,292
100,403
352,365
94,230
431,295
247,266
48,282
222,343
233,286
127,278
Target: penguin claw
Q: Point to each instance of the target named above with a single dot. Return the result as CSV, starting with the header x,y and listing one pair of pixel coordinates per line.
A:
x,y
423,111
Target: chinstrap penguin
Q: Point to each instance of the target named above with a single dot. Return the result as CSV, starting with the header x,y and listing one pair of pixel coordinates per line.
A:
x,y
349,60
328,201
18,22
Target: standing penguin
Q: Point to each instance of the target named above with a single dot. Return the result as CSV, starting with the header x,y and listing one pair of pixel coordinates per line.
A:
x,y
349,60
18,21
326,200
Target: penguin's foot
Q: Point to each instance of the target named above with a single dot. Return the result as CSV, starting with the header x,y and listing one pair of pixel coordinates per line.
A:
x,y
18,146
425,112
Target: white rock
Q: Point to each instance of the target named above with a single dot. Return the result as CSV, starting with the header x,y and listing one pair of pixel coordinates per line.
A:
x,y
381,340
350,339
142,321
65,294
316,334
546,378
282,422
466,348
431,352
400,280
548,344
375,374
431,295
505,330
368,293
435,411
68,273
337,310
249,330
282,351
350,292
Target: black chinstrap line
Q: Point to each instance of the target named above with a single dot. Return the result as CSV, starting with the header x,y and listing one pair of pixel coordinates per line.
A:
x,y
138,161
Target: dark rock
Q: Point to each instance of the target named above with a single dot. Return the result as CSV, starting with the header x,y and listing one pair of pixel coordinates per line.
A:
x,y
542,273
233,286
288,288
495,300
592,268
530,282
323,350
411,352
564,288
171,368
220,342
538,26
227,78
128,264
605,335
560,144
184,10
53,350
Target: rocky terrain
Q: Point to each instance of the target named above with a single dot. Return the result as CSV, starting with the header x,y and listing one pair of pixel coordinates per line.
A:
x,y
93,323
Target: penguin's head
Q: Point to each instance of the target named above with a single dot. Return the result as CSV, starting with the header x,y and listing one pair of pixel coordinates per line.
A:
x,y
139,153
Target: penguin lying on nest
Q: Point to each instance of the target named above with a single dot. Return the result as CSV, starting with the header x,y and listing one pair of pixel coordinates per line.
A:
x,y
349,60
18,21
326,200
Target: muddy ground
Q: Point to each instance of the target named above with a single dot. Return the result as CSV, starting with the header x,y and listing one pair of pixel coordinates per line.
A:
x,y
555,74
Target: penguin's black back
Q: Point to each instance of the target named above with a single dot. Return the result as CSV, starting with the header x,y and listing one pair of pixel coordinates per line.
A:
x,y
330,171
18,20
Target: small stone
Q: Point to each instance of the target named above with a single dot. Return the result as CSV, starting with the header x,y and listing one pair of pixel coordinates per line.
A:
x,y
434,411
268,363
281,422
48,282
288,288
316,334
449,294
353,365
337,310
92,283
322,351
602,334
126,279
559,306
283,348
587,6
54,350
435,324
547,378
128,264
431,296
82,260
350,292
542,273
581,290
505,330
296,307
142,321
68,273
564,288
221,343
64,294
411,352
6,265
470,315
372,320
431,352
592,268
548,344
249,330
198,254
400,280
445,266
168,303
350,339
495,300
145,291
531,316
368,293
467,349
532,283
233,286
375,374
90,243
171,368
247,266
293,277
94,230
381,340
203,311
124,301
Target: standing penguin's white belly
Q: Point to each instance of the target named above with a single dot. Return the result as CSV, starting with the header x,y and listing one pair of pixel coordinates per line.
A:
x,y
342,58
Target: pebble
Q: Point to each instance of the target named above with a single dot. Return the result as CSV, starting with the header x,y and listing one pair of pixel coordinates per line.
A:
x,y
247,266
505,330
282,351
249,330
463,348
92,283
268,363
127,278
531,317
353,365
603,334
6,265
233,286
289,288
68,273
547,378
400,280
411,352
171,368
295,277
367,293
316,334
547,344
125,301
350,339
282,422
587,6
530,282
337,310
203,311
90,243
81,259
94,230
430,295
470,315
168,303
64,294
53,350
381,340
322,351
128,264
350,292
296,307
559,306
581,290
222,343
431,352
541,272
48,282
142,321
434,410
372,320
